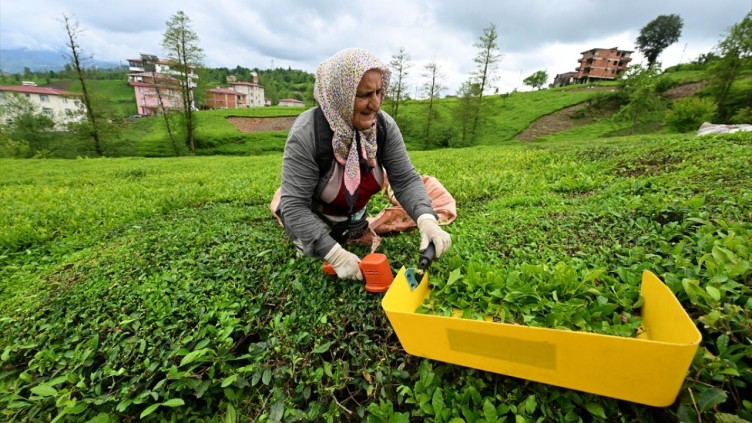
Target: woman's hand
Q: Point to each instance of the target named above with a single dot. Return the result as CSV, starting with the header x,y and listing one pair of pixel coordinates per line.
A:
x,y
430,231
345,263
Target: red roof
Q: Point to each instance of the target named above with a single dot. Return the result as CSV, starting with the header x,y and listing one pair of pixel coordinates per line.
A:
x,y
290,100
35,90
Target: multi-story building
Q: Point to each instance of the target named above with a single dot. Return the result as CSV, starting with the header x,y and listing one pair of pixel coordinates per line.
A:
x,y
290,102
602,63
156,84
253,91
225,98
61,106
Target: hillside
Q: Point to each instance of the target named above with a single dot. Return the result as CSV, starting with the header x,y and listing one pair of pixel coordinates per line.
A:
x,y
163,289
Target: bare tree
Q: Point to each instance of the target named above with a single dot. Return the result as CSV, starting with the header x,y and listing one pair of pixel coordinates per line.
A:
x,y
399,65
432,88
73,31
487,60
180,43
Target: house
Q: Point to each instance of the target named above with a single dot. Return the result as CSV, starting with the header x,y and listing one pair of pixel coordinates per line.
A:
x,y
564,79
225,98
156,84
253,91
602,64
62,106
291,102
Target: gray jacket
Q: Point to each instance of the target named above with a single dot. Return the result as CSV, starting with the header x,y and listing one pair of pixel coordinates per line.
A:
x,y
300,179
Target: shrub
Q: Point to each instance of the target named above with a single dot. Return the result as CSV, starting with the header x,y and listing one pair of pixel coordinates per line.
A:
x,y
689,113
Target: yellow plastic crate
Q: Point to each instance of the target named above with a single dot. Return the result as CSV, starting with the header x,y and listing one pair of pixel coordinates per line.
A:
x,y
648,369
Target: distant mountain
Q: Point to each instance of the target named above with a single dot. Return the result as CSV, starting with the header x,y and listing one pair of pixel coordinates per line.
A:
x,y
15,60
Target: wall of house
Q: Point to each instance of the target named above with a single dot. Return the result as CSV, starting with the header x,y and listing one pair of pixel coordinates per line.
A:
x,y
61,109
216,100
254,93
147,99
603,63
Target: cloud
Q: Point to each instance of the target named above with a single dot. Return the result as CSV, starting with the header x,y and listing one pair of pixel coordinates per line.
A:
x,y
533,34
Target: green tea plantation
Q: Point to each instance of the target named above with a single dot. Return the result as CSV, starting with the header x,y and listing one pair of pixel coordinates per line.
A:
x,y
161,289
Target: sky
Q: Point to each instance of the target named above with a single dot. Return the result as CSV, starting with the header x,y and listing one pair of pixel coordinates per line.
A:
x,y
533,35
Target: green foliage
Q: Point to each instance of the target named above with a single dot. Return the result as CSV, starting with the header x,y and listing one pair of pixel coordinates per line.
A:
x,y
537,79
658,34
163,289
689,113
736,55
30,132
640,87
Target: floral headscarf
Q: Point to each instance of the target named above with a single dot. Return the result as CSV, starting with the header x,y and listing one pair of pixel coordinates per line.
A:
x,y
337,80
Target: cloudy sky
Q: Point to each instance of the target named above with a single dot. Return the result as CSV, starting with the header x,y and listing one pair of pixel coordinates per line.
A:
x,y
533,34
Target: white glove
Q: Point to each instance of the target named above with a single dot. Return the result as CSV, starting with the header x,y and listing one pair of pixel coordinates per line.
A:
x,y
430,231
345,263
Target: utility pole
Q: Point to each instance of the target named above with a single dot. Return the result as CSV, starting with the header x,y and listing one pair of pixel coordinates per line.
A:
x,y
682,55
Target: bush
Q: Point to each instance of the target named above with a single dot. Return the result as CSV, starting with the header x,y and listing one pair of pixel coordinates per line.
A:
x,y
689,113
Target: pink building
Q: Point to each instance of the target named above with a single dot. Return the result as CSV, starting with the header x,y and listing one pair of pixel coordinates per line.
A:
x,y
155,86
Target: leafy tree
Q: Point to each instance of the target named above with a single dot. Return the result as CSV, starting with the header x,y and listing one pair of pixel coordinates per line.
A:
x,y
487,59
28,131
689,113
73,31
537,79
432,88
735,51
466,109
399,64
639,86
658,34
180,43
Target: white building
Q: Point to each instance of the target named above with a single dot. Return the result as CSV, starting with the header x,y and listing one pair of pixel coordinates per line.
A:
x,y
291,102
253,91
61,106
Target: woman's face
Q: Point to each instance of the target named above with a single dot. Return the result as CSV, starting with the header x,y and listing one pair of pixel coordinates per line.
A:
x,y
368,100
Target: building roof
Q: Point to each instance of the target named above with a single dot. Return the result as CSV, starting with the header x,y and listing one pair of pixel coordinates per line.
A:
x,y
225,91
251,84
35,90
612,48
291,100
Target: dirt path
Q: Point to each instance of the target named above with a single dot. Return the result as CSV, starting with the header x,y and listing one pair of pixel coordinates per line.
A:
x,y
555,122
251,124
565,118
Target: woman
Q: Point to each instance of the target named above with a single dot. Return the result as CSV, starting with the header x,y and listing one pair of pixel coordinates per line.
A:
x,y
334,161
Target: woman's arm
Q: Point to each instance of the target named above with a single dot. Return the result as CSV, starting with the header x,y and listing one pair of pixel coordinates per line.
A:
x,y
300,177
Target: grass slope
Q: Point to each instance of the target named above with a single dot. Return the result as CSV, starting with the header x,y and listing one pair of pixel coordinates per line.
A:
x,y
163,289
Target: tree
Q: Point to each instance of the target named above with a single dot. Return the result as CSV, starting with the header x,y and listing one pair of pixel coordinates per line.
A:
x,y
658,34
735,50
432,88
466,109
180,43
487,59
73,31
537,79
29,131
399,65
639,85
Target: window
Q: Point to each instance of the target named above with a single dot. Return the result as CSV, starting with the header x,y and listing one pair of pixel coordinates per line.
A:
x,y
65,100
44,98
47,111
8,121
68,112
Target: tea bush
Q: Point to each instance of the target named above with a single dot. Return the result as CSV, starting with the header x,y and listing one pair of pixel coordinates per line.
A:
x,y
163,290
